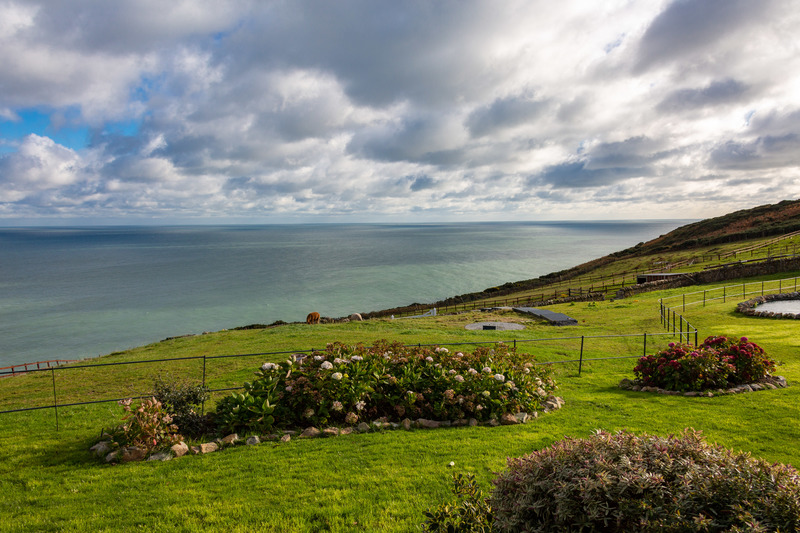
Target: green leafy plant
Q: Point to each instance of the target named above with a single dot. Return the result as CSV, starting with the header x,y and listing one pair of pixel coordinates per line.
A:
x,y
182,400
718,363
624,482
345,385
147,426
470,513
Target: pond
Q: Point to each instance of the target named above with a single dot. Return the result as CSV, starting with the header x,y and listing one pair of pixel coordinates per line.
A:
x,y
780,306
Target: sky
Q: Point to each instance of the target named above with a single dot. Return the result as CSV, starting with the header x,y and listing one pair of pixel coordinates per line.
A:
x,y
231,111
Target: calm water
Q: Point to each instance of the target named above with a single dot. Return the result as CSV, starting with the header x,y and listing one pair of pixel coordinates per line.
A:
x,y
71,293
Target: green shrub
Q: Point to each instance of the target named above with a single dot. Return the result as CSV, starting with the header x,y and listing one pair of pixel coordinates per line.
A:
x,y
718,363
470,513
182,399
344,385
148,426
623,482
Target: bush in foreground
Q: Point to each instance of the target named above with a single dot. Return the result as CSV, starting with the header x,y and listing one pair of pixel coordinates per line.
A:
x,y
344,385
626,483
716,364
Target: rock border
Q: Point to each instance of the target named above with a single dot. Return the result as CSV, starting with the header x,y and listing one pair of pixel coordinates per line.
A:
x,y
104,451
769,382
750,307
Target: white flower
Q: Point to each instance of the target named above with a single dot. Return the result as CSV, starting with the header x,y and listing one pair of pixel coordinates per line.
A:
x,y
459,354
442,350
486,393
429,359
337,406
459,378
308,413
289,388
451,371
360,405
472,371
326,365
499,377
337,376
486,370
319,358
479,408
511,384
356,358
340,361
268,366
527,370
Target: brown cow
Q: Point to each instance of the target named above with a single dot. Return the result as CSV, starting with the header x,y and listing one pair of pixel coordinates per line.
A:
x,y
312,318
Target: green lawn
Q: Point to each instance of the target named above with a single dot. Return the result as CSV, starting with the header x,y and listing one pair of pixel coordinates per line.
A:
x,y
369,482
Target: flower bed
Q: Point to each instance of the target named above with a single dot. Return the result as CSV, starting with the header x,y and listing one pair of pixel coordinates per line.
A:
x,y
719,364
346,385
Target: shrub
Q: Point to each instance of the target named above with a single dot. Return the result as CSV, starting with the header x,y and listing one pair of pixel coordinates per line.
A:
x,y
345,385
182,399
718,363
148,426
623,482
470,513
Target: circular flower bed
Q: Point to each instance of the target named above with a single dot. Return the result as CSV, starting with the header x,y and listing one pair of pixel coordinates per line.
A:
x,y
750,307
718,364
345,385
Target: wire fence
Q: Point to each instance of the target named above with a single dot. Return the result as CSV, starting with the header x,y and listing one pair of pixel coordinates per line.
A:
x,y
64,391
728,292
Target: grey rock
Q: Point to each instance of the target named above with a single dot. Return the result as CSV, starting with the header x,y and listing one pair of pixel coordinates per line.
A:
x,y
180,449
286,438
330,432
310,432
233,438
473,422
208,447
363,427
253,440
132,453
428,424
406,423
112,457
160,456
101,449
507,419
345,431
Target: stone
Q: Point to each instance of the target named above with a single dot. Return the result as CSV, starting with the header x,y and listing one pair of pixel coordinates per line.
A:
x,y
445,424
253,440
112,457
521,417
345,431
460,422
101,449
160,456
286,438
208,447
180,449
406,424
770,386
756,387
473,422
233,438
310,433
507,419
132,453
428,424
493,423
363,427
356,317
330,432
691,393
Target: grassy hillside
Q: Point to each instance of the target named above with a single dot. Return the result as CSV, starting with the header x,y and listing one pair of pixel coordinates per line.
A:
x,y
380,481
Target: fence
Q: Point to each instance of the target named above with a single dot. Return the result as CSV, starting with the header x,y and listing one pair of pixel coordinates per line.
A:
x,y
13,370
742,291
579,359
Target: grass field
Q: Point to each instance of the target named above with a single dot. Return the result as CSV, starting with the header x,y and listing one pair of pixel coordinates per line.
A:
x,y
368,482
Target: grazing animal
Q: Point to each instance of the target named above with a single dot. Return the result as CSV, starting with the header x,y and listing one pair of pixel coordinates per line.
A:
x,y
312,318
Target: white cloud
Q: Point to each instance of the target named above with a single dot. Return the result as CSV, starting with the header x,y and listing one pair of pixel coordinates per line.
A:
x,y
363,108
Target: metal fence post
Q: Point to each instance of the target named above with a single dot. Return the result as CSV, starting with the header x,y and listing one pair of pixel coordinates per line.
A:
x,y
644,351
580,362
55,398
203,404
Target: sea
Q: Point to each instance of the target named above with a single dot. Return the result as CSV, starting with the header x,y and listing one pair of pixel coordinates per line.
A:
x,y
81,292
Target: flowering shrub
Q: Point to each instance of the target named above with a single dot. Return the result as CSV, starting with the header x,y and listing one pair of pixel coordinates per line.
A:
x,y
718,363
148,426
345,385
623,482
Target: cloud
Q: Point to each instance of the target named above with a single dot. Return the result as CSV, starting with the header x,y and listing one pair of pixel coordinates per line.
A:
x,y
716,93
372,109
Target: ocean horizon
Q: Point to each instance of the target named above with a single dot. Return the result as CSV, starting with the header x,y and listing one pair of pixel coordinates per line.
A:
x,y
77,292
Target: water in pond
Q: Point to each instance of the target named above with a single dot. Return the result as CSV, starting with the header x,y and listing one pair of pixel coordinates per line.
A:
x,y
783,306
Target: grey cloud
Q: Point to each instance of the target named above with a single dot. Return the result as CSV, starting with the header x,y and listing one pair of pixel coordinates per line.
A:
x,y
504,113
633,152
716,93
761,153
578,175
691,27
420,183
